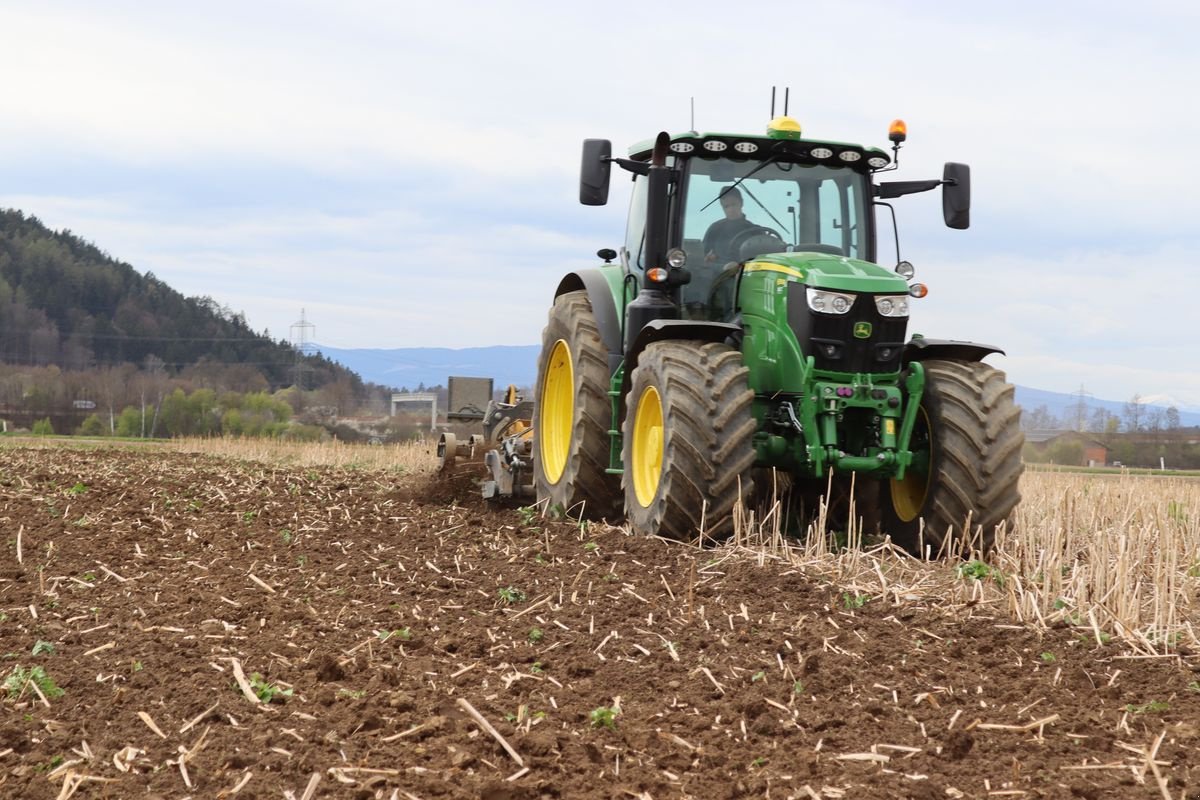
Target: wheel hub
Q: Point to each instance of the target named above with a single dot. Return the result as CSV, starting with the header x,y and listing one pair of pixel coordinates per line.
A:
x,y
557,413
908,495
647,446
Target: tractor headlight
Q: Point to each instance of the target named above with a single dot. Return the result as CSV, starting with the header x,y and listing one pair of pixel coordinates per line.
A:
x,y
825,302
892,305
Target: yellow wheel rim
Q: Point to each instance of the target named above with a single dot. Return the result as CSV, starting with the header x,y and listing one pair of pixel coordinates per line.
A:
x,y
908,495
647,446
557,411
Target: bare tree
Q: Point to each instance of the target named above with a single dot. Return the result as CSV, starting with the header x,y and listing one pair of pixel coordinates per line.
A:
x,y
1132,413
1039,419
1099,420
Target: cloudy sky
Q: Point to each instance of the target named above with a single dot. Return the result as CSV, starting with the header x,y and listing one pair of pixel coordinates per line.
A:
x,y
406,172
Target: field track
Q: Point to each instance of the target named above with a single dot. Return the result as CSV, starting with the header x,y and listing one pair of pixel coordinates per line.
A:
x,y
224,628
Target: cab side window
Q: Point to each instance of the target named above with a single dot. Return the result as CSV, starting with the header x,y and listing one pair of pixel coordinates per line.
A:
x,y
635,230
839,223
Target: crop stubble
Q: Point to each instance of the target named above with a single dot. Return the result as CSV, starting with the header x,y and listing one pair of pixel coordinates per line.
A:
x,y
174,587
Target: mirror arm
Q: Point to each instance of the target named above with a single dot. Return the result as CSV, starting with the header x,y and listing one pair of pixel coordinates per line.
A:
x,y
629,165
898,188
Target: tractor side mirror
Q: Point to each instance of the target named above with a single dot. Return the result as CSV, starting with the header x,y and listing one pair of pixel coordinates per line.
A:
x,y
595,171
956,195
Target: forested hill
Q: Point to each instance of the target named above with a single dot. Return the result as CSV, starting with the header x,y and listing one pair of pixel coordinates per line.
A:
x,y
65,302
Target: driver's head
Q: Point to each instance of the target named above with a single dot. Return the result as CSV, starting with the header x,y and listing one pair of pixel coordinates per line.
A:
x,y
731,203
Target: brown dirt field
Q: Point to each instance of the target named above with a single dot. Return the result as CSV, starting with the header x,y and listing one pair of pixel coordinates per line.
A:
x,y
380,608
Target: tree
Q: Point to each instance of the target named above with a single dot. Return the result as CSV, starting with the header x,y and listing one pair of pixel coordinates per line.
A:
x,y
175,417
231,423
203,406
1172,418
1039,419
1066,451
1132,414
1101,420
129,422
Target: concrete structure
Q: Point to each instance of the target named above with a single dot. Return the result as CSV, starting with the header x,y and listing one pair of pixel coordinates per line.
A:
x,y
400,398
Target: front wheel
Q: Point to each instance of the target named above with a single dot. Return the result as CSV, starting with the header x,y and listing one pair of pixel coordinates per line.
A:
x,y
966,462
688,440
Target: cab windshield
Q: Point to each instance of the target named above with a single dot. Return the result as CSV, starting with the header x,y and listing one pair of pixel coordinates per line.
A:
x,y
803,207
780,207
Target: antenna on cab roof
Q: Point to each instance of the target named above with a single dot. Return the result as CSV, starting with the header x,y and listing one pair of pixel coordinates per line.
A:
x,y
694,114
772,102
786,92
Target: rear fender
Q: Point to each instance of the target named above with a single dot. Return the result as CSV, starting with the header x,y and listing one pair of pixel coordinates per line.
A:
x,y
603,287
948,349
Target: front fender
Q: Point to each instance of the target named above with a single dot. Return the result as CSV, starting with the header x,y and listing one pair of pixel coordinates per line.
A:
x,y
951,349
692,330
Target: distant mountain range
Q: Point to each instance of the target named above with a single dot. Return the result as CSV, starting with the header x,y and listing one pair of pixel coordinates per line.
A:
x,y
1065,406
410,367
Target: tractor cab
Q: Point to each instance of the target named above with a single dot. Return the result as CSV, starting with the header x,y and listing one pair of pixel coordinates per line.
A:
x,y
731,198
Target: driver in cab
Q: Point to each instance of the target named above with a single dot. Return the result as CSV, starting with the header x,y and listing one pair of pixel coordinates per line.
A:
x,y
720,235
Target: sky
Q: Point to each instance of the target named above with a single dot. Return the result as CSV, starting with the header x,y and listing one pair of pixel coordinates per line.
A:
x,y
406,173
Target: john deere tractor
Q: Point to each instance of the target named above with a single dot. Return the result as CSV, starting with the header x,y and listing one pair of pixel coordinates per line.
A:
x,y
745,324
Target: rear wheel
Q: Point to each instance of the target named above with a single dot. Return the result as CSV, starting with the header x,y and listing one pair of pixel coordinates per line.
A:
x,y
572,413
688,440
966,462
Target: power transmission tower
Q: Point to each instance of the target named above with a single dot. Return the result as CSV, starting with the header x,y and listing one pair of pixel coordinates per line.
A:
x,y
301,334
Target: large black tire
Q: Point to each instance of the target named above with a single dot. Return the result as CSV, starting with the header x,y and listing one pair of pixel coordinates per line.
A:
x,y
688,440
967,461
571,442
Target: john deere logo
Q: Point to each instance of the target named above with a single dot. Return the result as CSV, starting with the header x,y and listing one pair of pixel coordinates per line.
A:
x,y
862,330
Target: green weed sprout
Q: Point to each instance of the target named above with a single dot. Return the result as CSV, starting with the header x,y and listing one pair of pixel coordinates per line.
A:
x,y
1153,707
20,677
511,594
267,692
603,717
853,601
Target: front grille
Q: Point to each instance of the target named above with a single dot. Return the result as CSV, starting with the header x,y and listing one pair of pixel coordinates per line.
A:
x,y
830,339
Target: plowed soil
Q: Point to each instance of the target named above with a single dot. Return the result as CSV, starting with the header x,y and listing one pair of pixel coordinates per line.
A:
x,y
368,620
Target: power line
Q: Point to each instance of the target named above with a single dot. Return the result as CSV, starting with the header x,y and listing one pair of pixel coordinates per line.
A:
x,y
128,338
20,361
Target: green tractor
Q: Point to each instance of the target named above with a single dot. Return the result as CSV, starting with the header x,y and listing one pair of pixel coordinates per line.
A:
x,y
745,324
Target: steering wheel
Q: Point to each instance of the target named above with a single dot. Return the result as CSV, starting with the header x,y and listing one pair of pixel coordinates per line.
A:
x,y
741,238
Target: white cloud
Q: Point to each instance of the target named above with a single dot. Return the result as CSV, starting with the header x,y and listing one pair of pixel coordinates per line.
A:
x,y
1105,320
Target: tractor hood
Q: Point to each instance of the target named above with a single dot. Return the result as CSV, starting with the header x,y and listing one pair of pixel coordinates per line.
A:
x,y
839,273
